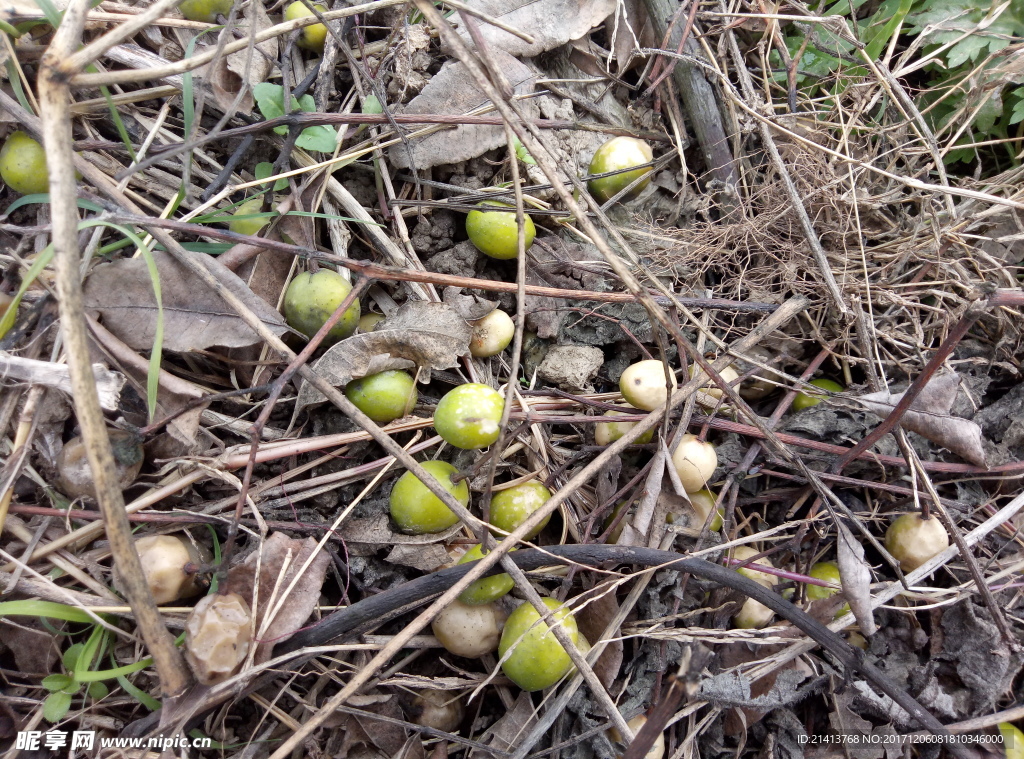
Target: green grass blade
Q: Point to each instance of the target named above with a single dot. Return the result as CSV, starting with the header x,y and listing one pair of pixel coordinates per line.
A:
x,y
138,694
41,262
51,609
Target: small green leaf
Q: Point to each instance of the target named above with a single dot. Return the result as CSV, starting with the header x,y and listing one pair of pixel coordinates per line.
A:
x,y
269,99
372,105
55,683
98,690
321,138
266,169
56,706
72,655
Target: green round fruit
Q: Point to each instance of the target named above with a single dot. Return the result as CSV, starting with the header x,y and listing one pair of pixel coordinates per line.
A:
x,y
806,400
469,416
510,508
620,153
23,165
496,233
312,298
535,659
205,10
314,36
416,510
491,334
912,540
827,571
1013,740
609,432
488,589
249,226
383,397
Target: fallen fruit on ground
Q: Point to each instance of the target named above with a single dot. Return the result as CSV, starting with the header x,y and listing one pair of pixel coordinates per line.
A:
x,y
644,384
496,233
620,153
728,374
488,589
695,462
513,506
416,510
912,540
217,637
205,10
491,334
250,226
535,659
610,431
810,398
469,416
439,709
74,475
703,502
170,564
469,631
384,396
314,36
310,301
23,165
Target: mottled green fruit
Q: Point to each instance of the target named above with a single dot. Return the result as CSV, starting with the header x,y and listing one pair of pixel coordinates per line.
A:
x,y
806,400
1013,740
488,589
314,36
609,432
383,397
418,511
23,165
249,226
312,298
620,153
828,571
536,660
510,508
496,233
205,10
469,416
703,502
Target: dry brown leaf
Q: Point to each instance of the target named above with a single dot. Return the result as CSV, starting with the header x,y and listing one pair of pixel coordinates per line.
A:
x,y
376,531
280,560
419,334
592,618
551,23
631,29
424,558
469,307
929,416
195,317
365,731
507,732
240,72
452,91
856,578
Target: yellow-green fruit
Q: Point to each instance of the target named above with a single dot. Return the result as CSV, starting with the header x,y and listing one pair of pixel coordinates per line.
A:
x,y
23,165
535,659
469,416
249,226
827,571
806,400
74,475
644,384
369,322
620,153
312,298
314,36
496,233
743,553
205,10
728,374
488,589
165,563
912,540
383,397
510,508
703,502
609,432
1013,740
418,511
